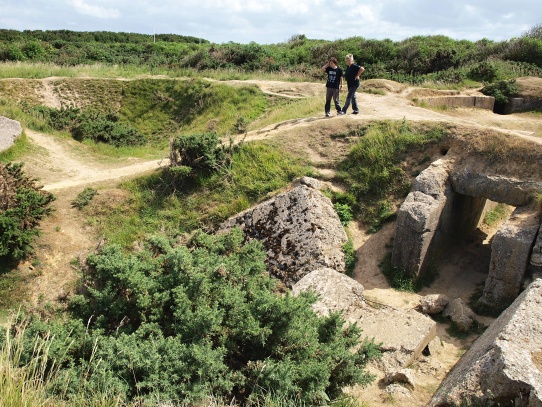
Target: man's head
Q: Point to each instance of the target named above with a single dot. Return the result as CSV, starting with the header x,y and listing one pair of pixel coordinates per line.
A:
x,y
333,62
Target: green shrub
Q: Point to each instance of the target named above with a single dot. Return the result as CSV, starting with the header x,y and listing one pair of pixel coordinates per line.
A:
x,y
501,90
106,128
22,206
84,198
344,211
177,324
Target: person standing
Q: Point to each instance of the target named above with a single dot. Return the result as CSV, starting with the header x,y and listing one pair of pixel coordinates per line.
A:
x,y
333,85
352,74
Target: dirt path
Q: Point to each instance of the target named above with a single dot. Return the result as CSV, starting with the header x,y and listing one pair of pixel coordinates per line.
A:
x,y
65,168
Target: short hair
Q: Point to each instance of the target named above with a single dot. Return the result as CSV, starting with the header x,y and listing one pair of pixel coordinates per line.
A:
x,y
350,56
334,60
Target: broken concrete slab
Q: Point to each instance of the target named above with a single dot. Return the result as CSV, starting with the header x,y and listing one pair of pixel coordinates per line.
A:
x,y
504,365
403,334
510,255
300,232
494,187
9,131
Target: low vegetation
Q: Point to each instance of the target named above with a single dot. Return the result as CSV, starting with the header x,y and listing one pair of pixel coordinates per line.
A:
x,y
177,323
372,173
22,206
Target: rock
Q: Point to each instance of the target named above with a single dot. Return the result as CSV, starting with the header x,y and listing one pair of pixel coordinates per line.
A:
x,y
496,188
460,314
396,389
435,347
403,334
9,131
337,291
419,216
309,182
300,232
510,254
504,365
405,376
432,304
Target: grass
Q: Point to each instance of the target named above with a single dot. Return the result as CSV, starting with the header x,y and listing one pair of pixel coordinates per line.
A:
x,y
372,171
497,215
402,281
257,169
282,109
20,147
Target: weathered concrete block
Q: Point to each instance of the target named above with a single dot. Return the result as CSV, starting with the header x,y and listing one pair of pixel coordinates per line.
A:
x,y
481,102
504,365
459,313
432,304
535,266
419,216
510,254
522,104
300,232
496,188
404,334
9,131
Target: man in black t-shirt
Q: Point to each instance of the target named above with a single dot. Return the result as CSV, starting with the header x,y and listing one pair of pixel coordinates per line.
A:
x,y
352,74
333,85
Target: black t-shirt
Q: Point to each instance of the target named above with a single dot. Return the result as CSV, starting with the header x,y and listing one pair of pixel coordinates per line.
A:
x,y
334,77
350,75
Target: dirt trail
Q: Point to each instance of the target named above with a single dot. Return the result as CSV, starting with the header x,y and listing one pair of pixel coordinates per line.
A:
x,y
64,168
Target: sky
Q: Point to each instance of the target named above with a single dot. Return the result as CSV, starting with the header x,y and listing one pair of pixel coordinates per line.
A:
x,y
275,21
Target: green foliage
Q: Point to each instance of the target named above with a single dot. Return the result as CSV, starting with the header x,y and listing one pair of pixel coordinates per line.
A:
x,y
414,60
22,206
203,153
175,324
501,90
372,172
344,211
498,214
106,128
350,257
84,198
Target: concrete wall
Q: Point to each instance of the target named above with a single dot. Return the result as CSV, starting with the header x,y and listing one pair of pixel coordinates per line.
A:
x,y
522,105
481,102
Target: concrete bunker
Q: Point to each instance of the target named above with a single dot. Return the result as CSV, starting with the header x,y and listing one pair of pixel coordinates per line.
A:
x,y
447,204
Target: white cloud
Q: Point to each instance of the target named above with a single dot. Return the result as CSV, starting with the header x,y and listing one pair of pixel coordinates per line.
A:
x,y
95,11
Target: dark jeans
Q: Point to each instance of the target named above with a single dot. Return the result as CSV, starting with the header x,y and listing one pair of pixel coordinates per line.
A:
x,y
332,93
351,97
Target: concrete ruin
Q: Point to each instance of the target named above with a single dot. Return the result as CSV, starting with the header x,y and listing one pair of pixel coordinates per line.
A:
x,y
9,131
480,102
403,334
504,366
446,204
299,229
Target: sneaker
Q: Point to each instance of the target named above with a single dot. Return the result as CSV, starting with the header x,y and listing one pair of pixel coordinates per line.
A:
x,y
327,114
355,112
340,113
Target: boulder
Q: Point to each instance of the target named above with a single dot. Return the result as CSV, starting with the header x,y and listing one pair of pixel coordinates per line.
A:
x,y
432,304
510,254
496,188
418,219
9,131
405,376
300,232
460,314
402,334
504,365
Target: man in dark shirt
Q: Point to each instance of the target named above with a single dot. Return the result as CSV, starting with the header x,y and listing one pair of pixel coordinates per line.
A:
x,y
333,85
353,71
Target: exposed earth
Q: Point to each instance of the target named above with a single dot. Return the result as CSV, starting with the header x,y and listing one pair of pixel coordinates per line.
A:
x,y
64,168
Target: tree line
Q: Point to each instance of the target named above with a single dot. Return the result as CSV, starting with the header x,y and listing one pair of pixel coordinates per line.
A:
x,y
412,60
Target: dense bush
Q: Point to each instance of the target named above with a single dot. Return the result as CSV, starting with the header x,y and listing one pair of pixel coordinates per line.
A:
x,y
407,60
22,206
91,125
176,324
501,90
106,128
